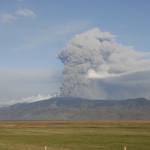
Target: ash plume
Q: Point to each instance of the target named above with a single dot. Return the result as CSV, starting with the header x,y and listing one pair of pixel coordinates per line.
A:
x,y
95,56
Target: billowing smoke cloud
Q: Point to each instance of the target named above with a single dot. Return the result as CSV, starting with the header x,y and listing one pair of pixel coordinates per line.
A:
x,y
93,56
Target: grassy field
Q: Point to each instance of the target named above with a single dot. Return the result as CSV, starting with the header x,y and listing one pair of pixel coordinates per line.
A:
x,y
61,135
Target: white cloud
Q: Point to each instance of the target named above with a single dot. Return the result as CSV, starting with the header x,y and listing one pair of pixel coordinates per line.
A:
x,y
16,15
29,99
25,13
92,74
7,18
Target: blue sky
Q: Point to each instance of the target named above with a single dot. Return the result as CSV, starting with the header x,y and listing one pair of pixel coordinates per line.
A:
x,y
32,32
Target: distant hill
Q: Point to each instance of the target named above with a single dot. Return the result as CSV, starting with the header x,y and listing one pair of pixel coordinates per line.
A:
x,y
73,108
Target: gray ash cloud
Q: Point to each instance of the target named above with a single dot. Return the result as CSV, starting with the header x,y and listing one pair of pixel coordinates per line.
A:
x,y
94,56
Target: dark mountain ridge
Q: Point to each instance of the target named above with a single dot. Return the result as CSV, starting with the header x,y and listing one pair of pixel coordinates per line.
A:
x,y
74,108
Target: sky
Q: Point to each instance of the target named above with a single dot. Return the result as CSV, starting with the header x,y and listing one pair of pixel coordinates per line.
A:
x,y
32,34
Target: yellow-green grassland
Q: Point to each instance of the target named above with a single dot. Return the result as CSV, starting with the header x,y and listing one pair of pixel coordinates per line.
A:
x,y
74,135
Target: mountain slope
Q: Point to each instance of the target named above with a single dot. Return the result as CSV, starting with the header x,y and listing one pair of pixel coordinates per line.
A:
x,y
71,108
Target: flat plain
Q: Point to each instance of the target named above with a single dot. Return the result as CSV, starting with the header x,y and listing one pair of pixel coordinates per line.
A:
x,y
74,135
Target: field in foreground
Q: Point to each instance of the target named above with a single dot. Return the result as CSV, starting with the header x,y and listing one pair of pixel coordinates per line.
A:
x,y
64,135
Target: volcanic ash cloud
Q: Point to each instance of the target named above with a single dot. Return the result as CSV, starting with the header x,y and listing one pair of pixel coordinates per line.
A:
x,y
95,56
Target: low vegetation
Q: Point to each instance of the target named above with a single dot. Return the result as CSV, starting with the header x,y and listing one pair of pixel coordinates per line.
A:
x,y
68,135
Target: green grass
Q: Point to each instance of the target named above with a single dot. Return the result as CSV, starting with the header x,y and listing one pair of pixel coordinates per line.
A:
x,y
74,135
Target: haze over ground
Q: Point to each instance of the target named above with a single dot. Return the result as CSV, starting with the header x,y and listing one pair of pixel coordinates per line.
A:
x,y
33,33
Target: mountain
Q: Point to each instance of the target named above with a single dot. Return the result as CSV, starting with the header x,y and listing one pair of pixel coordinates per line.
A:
x,y
73,108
